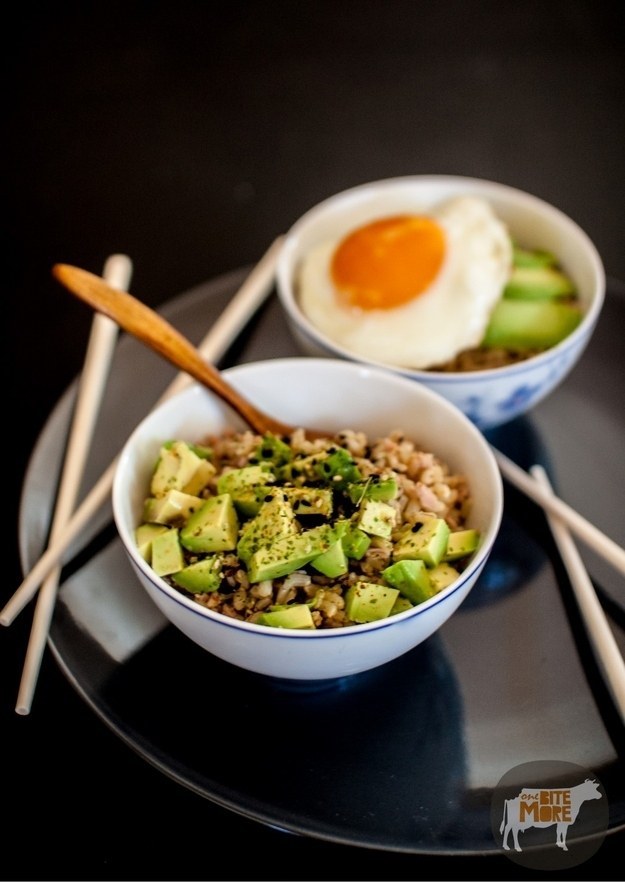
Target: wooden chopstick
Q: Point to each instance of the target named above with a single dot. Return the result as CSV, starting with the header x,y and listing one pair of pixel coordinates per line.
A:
x,y
102,339
583,529
604,644
252,293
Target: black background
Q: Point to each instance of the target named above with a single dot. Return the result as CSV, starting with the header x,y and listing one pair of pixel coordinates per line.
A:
x,y
189,135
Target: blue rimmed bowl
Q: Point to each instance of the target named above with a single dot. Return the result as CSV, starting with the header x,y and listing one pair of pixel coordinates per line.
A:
x,y
488,397
332,395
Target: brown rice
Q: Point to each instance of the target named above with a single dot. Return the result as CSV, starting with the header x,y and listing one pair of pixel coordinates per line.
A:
x,y
426,485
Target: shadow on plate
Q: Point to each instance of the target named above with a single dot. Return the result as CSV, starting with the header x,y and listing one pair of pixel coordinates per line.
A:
x,y
378,756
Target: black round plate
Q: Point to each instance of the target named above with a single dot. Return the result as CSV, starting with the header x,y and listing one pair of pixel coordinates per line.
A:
x,y
403,758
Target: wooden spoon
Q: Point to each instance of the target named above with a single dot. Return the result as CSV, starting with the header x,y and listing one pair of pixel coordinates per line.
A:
x,y
153,330
150,328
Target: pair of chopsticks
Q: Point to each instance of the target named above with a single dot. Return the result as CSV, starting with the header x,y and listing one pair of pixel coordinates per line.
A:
x,y
601,637
67,526
102,339
224,332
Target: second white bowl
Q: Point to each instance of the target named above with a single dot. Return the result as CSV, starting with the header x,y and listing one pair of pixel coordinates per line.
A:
x,y
488,397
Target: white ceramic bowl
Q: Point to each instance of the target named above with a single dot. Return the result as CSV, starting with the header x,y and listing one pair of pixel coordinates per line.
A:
x,y
329,394
488,397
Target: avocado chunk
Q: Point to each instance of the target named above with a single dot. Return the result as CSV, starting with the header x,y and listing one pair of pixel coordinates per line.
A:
x,y
275,518
530,324
200,577
180,468
333,562
289,553
522,257
538,283
369,602
376,487
272,451
376,518
442,575
297,616
248,501
237,480
461,543
144,534
411,578
214,527
401,605
355,541
426,542
167,556
200,450
334,466
247,487
310,500
175,507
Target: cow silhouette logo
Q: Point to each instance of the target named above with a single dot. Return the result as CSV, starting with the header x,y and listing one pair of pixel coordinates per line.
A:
x,y
544,807
549,814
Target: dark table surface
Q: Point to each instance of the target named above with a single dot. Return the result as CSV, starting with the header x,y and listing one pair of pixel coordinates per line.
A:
x,y
189,136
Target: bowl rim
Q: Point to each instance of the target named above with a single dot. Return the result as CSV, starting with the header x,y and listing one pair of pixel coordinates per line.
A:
x,y
472,570
286,291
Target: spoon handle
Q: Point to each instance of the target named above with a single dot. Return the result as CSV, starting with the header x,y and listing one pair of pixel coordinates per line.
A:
x,y
152,329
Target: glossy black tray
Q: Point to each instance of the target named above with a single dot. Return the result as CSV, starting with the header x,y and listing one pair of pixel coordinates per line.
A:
x,y
404,758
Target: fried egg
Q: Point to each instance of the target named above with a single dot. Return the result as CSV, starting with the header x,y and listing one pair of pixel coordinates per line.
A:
x,y
410,290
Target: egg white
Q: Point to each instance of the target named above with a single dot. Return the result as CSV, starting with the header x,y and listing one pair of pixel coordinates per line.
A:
x,y
450,316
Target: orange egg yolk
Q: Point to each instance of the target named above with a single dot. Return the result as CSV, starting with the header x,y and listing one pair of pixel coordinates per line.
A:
x,y
388,262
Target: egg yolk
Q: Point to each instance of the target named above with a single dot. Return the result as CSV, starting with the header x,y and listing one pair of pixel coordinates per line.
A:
x,y
388,262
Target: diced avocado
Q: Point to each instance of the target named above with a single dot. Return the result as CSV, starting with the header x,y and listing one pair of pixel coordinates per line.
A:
x,y
333,562
376,487
355,541
175,507
144,534
288,553
401,605
214,527
337,465
180,468
235,480
299,469
426,542
411,578
310,500
248,502
200,577
529,324
442,575
202,475
167,556
333,466
246,486
272,451
201,450
171,469
461,543
522,257
275,518
297,616
368,602
538,283
376,518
